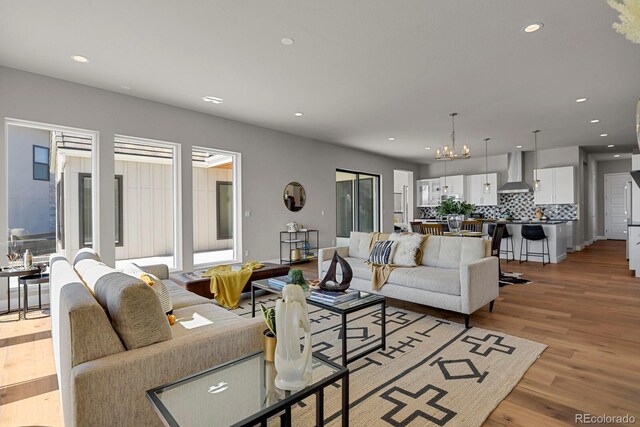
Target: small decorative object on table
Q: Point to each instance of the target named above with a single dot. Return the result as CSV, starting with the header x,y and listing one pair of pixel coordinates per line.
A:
x,y
270,339
330,282
292,364
539,214
296,276
295,254
292,227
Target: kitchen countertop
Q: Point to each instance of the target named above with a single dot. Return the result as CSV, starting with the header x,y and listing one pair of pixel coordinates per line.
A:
x,y
515,221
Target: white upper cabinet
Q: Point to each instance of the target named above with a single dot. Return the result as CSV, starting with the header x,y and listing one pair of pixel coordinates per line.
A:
x,y
456,184
475,189
428,192
556,186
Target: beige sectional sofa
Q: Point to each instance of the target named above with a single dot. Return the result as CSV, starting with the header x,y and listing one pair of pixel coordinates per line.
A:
x,y
456,273
112,340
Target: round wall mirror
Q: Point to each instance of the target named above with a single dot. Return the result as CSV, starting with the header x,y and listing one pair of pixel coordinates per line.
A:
x,y
294,196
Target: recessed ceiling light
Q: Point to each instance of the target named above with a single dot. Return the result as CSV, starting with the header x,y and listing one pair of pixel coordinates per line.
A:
x,y
595,120
286,41
518,146
427,148
604,134
616,155
79,58
213,99
610,146
532,28
581,100
298,114
392,139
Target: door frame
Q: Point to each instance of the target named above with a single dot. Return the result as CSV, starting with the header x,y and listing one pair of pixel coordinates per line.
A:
x,y
606,205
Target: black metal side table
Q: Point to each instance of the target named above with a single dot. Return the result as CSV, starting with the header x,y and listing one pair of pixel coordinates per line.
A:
x,y
25,281
15,272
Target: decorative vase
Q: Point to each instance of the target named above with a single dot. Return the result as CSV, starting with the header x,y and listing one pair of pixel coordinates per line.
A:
x,y
539,214
295,255
269,341
455,222
292,363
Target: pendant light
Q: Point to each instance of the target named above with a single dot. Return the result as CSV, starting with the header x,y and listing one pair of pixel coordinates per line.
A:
x,y
446,153
445,187
536,181
487,184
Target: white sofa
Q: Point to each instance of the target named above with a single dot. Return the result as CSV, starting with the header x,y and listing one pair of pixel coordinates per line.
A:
x,y
112,341
456,273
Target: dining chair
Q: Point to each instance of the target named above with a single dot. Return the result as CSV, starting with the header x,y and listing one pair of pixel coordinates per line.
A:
x,y
472,225
416,226
436,229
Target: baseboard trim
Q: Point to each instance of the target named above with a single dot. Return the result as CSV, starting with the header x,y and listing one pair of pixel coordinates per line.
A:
x,y
601,238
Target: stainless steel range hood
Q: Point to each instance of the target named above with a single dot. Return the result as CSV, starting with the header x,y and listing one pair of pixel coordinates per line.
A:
x,y
515,184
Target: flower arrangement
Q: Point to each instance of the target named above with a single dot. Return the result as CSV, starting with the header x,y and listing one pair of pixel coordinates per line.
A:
x,y
629,25
455,207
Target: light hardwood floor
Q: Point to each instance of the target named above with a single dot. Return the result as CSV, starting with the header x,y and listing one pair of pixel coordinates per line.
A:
x,y
585,309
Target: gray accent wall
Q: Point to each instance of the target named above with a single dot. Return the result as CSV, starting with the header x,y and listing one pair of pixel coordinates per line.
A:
x,y
270,159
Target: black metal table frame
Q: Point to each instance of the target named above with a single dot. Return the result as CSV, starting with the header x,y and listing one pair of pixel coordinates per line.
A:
x,y
343,320
9,273
285,404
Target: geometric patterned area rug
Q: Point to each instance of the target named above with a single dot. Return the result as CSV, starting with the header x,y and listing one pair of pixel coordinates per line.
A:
x,y
432,372
513,279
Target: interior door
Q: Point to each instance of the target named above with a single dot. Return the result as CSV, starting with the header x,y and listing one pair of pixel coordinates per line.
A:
x,y
615,206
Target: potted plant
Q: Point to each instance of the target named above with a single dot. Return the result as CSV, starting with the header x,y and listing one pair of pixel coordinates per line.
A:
x,y
455,212
297,278
270,338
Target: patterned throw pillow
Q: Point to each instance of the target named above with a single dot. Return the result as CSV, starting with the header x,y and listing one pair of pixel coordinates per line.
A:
x,y
382,252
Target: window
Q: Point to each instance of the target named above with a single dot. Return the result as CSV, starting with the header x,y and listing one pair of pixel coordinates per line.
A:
x,y
150,198
42,197
224,211
40,163
85,210
357,202
216,222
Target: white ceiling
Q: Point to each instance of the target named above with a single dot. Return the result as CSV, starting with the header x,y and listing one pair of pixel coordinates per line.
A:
x,y
361,70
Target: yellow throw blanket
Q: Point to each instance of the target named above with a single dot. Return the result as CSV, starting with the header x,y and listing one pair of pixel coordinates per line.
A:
x,y
227,284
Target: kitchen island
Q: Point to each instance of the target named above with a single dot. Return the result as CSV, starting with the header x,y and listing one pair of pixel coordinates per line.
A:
x,y
556,232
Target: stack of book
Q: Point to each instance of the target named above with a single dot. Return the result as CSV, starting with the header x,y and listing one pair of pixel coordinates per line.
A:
x,y
279,282
333,297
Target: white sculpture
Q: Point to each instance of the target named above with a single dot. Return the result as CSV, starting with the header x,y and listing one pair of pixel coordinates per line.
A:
x,y
293,365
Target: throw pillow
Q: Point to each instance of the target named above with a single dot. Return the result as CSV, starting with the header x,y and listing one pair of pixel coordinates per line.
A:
x,y
408,245
155,283
382,252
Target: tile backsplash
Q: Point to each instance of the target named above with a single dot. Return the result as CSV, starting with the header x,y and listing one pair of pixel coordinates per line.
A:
x,y
519,205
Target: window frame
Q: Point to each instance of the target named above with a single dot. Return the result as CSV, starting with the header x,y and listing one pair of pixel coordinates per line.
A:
x,y
377,225
120,181
34,163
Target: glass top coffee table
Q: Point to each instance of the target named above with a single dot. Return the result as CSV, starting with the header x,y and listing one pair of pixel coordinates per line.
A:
x,y
243,393
364,300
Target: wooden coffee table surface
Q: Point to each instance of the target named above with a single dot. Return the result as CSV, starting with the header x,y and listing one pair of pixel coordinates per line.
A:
x,y
193,282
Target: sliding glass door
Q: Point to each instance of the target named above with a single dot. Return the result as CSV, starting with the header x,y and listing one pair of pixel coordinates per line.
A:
x,y
357,202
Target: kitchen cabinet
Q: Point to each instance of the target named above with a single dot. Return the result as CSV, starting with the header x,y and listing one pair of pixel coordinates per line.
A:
x,y
428,192
456,184
635,190
475,189
556,186
634,249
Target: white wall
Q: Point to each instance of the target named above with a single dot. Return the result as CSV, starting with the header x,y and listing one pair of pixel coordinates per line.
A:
x,y
270,159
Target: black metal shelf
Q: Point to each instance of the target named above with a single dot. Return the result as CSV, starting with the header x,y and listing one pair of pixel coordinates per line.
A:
x,y
305,241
